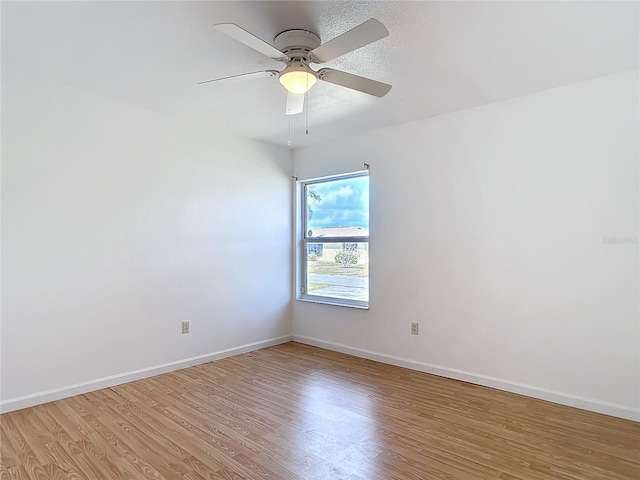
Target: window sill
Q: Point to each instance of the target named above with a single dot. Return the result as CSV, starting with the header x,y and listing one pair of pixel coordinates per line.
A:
x,y
333,301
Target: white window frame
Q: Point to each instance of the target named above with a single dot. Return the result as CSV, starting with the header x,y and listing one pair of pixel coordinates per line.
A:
x,y
304,240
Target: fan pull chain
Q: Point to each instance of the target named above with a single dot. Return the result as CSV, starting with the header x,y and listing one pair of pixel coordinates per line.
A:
x,y
307,107
307,111
289,140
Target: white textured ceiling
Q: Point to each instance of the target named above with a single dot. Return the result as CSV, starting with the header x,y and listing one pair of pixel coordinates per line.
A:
x,y
440,56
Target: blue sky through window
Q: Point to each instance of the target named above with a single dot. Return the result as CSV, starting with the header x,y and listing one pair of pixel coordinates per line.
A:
x,y
343,203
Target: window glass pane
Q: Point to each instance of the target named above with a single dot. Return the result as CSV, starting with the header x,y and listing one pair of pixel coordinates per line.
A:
x,y
338,270
338,208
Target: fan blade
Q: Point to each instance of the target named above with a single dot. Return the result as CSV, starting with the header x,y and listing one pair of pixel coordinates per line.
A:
x,y
295,103
364,34
240,34
244,76
354,82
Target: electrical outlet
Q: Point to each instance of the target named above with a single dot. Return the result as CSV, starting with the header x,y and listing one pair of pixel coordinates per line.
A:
x,y
414,328
185,327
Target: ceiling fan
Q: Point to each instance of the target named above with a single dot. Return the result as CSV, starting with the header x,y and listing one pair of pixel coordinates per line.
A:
x,y
299,48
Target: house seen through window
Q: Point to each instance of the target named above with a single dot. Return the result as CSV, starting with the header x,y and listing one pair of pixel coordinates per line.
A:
x,y
335,240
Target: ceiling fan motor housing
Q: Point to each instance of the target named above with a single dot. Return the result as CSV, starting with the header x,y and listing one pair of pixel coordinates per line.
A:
x,y
297,44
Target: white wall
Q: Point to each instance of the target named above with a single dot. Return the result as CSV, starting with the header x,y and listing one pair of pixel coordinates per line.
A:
x,y
487,227
117,225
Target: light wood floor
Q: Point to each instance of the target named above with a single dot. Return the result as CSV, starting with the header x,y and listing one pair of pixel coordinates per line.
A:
x,y
295,411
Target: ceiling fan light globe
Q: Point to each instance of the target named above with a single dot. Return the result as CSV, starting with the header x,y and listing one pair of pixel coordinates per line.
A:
x,y
297,80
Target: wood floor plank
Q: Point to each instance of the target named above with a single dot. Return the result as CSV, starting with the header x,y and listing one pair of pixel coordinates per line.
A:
x,y
14,473
68,420
32,466
118,439
300,412
8,455
12,435
90,468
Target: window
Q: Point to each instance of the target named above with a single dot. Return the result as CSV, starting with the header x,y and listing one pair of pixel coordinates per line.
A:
x,y
334,257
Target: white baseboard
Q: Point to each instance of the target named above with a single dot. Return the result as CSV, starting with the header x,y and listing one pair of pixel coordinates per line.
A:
x,y
599,406
25,401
